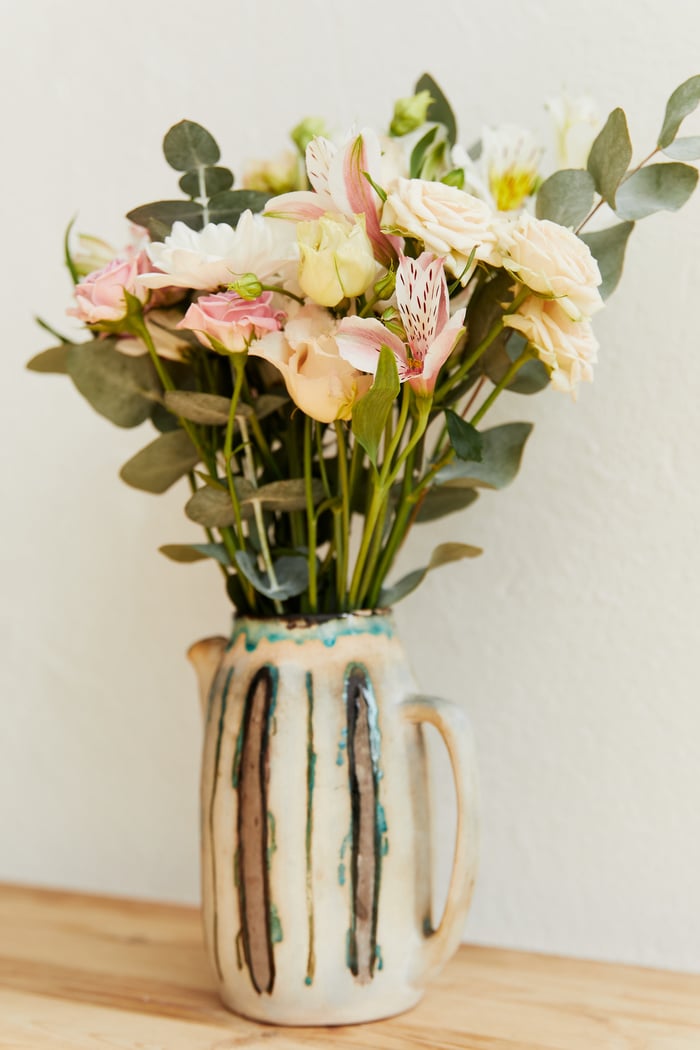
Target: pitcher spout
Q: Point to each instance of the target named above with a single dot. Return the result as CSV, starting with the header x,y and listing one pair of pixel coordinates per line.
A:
x,y
205,657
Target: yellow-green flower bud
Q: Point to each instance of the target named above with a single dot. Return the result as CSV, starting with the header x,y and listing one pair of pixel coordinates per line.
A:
x,y
384,288
410,113
336,259
307,130
247,286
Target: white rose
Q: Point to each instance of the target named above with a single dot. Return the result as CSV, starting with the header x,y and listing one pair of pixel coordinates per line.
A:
x,y
209,258
568,348
318,380
449,222
552,261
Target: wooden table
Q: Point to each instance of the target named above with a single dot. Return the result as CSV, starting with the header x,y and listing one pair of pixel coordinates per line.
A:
x,y
85,973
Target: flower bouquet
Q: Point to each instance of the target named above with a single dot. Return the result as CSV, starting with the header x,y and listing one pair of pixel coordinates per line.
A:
x,y
317,353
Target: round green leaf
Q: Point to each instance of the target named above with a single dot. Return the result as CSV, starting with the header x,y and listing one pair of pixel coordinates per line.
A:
x,y
610,155
566,196
687,148
681,103
657,187
209,409
501,453
608,249
121,388
158,216
216,180
188,145
159,465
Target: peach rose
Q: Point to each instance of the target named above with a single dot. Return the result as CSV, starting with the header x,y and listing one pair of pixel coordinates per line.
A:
x,y
568,348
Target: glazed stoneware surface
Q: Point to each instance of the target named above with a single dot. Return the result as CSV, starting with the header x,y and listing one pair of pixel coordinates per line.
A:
x,y
316,852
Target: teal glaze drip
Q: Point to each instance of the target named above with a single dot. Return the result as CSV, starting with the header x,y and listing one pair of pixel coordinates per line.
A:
x,y
275,925
308,981
328,631
379,957
217,757
344,847
342,746
341,874
271,838
308,839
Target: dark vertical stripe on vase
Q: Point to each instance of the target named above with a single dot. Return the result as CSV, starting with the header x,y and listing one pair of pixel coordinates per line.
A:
x,y
366,833
215,784
310,783
253,874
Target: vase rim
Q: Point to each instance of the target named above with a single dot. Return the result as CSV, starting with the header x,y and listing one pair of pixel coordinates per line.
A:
x,y
298,621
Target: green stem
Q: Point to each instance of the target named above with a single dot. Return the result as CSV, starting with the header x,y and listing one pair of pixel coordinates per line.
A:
x,y
527,355
310,514
263,446
249,471
343,539
237,538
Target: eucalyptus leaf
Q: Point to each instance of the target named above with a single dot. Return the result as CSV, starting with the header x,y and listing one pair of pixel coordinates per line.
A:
x,y
230,205
566,196
208,409
440,109
291,572
186,553
266,404
464,438
163,420
420,151
608,249
371,413
682,102
158,216
159,465
684,149
532,377
442,555
188,145
657,187
445,499
610,155
121,388
214,180
287,495
501,453
54,360
212,507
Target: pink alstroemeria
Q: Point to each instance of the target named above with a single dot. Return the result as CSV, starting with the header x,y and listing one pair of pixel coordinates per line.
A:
x,y
431,334
340,185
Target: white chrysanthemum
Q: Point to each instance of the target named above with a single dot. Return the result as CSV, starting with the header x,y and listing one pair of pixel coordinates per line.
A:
x,y
209,258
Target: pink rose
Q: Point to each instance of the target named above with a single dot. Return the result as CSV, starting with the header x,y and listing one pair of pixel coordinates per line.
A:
x,y
100,297
228,323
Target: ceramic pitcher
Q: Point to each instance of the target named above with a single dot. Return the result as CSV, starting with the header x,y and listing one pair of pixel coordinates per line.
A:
x,y
316,849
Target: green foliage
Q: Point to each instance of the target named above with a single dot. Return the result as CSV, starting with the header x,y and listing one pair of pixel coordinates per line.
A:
x,y
188,145
123,389
440,109
54,360
211,409
212,507
420,152
529,379
445,499
158,216
682,102
657,187
464,438
442,555
684,149
230,205
291,573
566,197
159,465
287,495
186,553
608,249
209,179
501,453
610,156
371,413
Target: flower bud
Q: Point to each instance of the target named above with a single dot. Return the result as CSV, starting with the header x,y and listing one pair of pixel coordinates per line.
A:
x,y
276,176
309,128
410,113
336,259
90,254
384,288
247,286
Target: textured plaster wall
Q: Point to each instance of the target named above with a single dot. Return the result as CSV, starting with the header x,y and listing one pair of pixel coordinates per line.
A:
x,y
573,642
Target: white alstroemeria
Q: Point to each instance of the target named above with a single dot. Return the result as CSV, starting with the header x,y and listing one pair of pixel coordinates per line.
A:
x,y
209,258
506,172
431,334
576,124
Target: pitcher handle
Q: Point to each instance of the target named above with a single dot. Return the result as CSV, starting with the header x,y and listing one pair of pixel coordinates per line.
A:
x,y
453,725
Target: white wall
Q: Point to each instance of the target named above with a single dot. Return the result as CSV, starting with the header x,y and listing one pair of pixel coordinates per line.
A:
x,y
576,634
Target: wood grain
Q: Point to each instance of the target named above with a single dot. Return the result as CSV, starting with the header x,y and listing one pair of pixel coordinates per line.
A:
x,y
86,973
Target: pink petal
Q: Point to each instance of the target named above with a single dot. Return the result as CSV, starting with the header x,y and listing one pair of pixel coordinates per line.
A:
x,y
319,156
422,299
439,351
360,339
300,205
362,199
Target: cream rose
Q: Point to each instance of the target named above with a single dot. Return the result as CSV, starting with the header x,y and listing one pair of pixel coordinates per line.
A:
x,y
449,222
552,261
319,381
568,348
